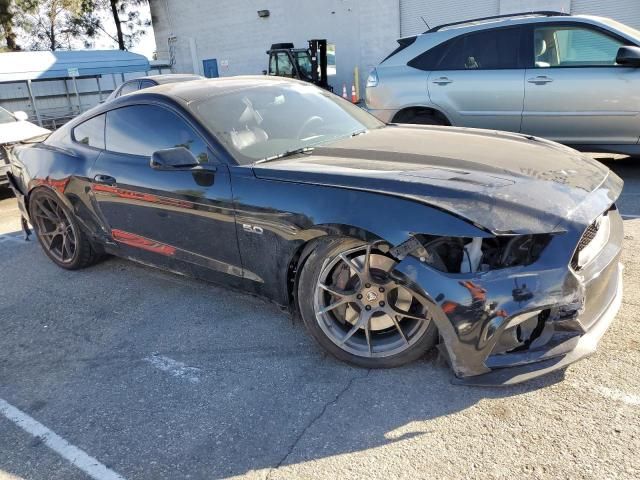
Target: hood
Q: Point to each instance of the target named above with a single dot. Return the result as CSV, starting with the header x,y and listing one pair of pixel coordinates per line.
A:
x,y
503,182
13,132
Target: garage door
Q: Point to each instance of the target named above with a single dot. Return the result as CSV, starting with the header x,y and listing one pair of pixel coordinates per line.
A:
x,y
625,11
437,12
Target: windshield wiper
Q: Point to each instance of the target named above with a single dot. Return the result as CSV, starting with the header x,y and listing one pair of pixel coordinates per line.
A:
x,y
288,153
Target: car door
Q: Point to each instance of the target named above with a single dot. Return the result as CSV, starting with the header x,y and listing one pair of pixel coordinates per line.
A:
x,y
478,80
180,219
574,91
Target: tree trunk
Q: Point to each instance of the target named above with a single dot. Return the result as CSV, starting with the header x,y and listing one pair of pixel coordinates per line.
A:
x,y
116,19
6,21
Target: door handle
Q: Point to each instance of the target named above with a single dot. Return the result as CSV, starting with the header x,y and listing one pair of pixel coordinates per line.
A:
x,y
442,80
540,80
104,179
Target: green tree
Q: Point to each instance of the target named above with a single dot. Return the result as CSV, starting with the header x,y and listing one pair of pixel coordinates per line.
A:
x,y
10,13
129,24
52,24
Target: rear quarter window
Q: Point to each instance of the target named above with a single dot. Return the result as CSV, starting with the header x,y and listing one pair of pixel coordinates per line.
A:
x,y
90,132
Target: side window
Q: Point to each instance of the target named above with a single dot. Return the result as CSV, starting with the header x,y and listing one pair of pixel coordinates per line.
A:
x,y
143,129
285,68
430,59
485,50
128,88
146,84
568,46
91,132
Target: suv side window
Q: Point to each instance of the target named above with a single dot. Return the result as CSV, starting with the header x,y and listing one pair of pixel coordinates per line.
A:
x,y
146,84
494,49
143,129
128,88
91,132
485,50
569,46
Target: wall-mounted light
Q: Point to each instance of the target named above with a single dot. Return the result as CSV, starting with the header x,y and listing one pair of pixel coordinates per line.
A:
x,y
263,13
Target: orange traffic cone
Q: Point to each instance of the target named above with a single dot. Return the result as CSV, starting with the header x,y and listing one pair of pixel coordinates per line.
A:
x,y
344,90
354,99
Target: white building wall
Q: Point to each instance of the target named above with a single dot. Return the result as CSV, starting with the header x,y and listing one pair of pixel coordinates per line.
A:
x,y
364,32
437,12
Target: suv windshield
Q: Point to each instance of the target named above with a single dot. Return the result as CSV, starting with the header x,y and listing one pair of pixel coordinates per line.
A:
x,y
265,121
6,117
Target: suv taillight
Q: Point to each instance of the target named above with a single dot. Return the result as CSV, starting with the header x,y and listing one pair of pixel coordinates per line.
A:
x,y
372,79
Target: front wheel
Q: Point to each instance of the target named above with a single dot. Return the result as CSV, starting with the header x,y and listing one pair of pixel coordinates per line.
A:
x,y
357,311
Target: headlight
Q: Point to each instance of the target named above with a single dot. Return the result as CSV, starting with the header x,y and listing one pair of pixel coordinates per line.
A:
x,y
466,254
372,79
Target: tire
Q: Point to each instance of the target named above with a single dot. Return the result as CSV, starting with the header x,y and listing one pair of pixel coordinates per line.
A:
x,y
371,304
73,253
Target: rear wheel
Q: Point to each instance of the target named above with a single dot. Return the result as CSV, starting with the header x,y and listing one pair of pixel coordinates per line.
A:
x,y
58,232
357,311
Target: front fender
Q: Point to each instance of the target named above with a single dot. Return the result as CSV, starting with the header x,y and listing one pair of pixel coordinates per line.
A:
x,y
289,215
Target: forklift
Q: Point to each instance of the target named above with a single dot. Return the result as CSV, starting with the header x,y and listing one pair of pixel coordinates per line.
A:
x,y
307,64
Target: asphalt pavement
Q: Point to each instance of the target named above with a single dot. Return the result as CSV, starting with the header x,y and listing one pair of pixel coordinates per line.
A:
x,y
128,372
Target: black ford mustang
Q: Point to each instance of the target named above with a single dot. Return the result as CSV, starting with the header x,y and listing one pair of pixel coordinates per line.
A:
x,y
387,239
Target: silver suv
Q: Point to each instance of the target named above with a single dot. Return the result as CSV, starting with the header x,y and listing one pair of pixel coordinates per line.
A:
x,y
573,79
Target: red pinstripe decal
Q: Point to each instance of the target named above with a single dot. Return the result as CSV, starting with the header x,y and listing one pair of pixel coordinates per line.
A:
x,y
144,243
144,197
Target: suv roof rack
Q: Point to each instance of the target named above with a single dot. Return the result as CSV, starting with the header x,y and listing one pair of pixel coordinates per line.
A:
x,y
540,13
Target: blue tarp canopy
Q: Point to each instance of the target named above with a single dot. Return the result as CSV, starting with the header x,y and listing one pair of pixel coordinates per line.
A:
x,y
20,66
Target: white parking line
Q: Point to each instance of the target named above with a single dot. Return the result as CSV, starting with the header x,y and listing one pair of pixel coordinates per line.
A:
x,y
618,395
55,442
174,368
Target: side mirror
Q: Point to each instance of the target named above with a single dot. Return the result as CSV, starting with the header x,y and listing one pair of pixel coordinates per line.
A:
x,y
628,56
20,115
173,159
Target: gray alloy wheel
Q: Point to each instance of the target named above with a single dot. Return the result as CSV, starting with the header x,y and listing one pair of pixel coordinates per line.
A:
x,y
59,233
54,228
359,312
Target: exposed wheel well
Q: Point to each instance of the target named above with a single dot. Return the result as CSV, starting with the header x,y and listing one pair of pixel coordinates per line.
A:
x,y
421,115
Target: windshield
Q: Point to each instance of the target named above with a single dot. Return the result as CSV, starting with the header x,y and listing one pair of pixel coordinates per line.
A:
x,y
262,122
6,117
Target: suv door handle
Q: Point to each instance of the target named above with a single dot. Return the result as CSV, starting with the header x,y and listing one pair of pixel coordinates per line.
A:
x,y
443,80
104,179
540,80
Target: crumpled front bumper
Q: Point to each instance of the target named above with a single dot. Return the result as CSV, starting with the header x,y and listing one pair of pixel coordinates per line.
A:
x,y
475,313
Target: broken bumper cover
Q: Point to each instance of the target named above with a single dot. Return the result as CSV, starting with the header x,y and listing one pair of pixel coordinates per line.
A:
x,y
507,326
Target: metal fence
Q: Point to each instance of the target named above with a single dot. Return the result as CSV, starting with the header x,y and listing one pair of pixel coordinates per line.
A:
x,y
52,102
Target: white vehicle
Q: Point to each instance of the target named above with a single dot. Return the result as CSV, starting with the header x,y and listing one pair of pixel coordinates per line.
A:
x,y
14,128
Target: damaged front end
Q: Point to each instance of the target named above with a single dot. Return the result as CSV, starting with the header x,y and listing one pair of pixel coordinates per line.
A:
x,y
513,307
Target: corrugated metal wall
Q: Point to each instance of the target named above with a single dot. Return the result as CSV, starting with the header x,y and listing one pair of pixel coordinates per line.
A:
x,y
437,12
